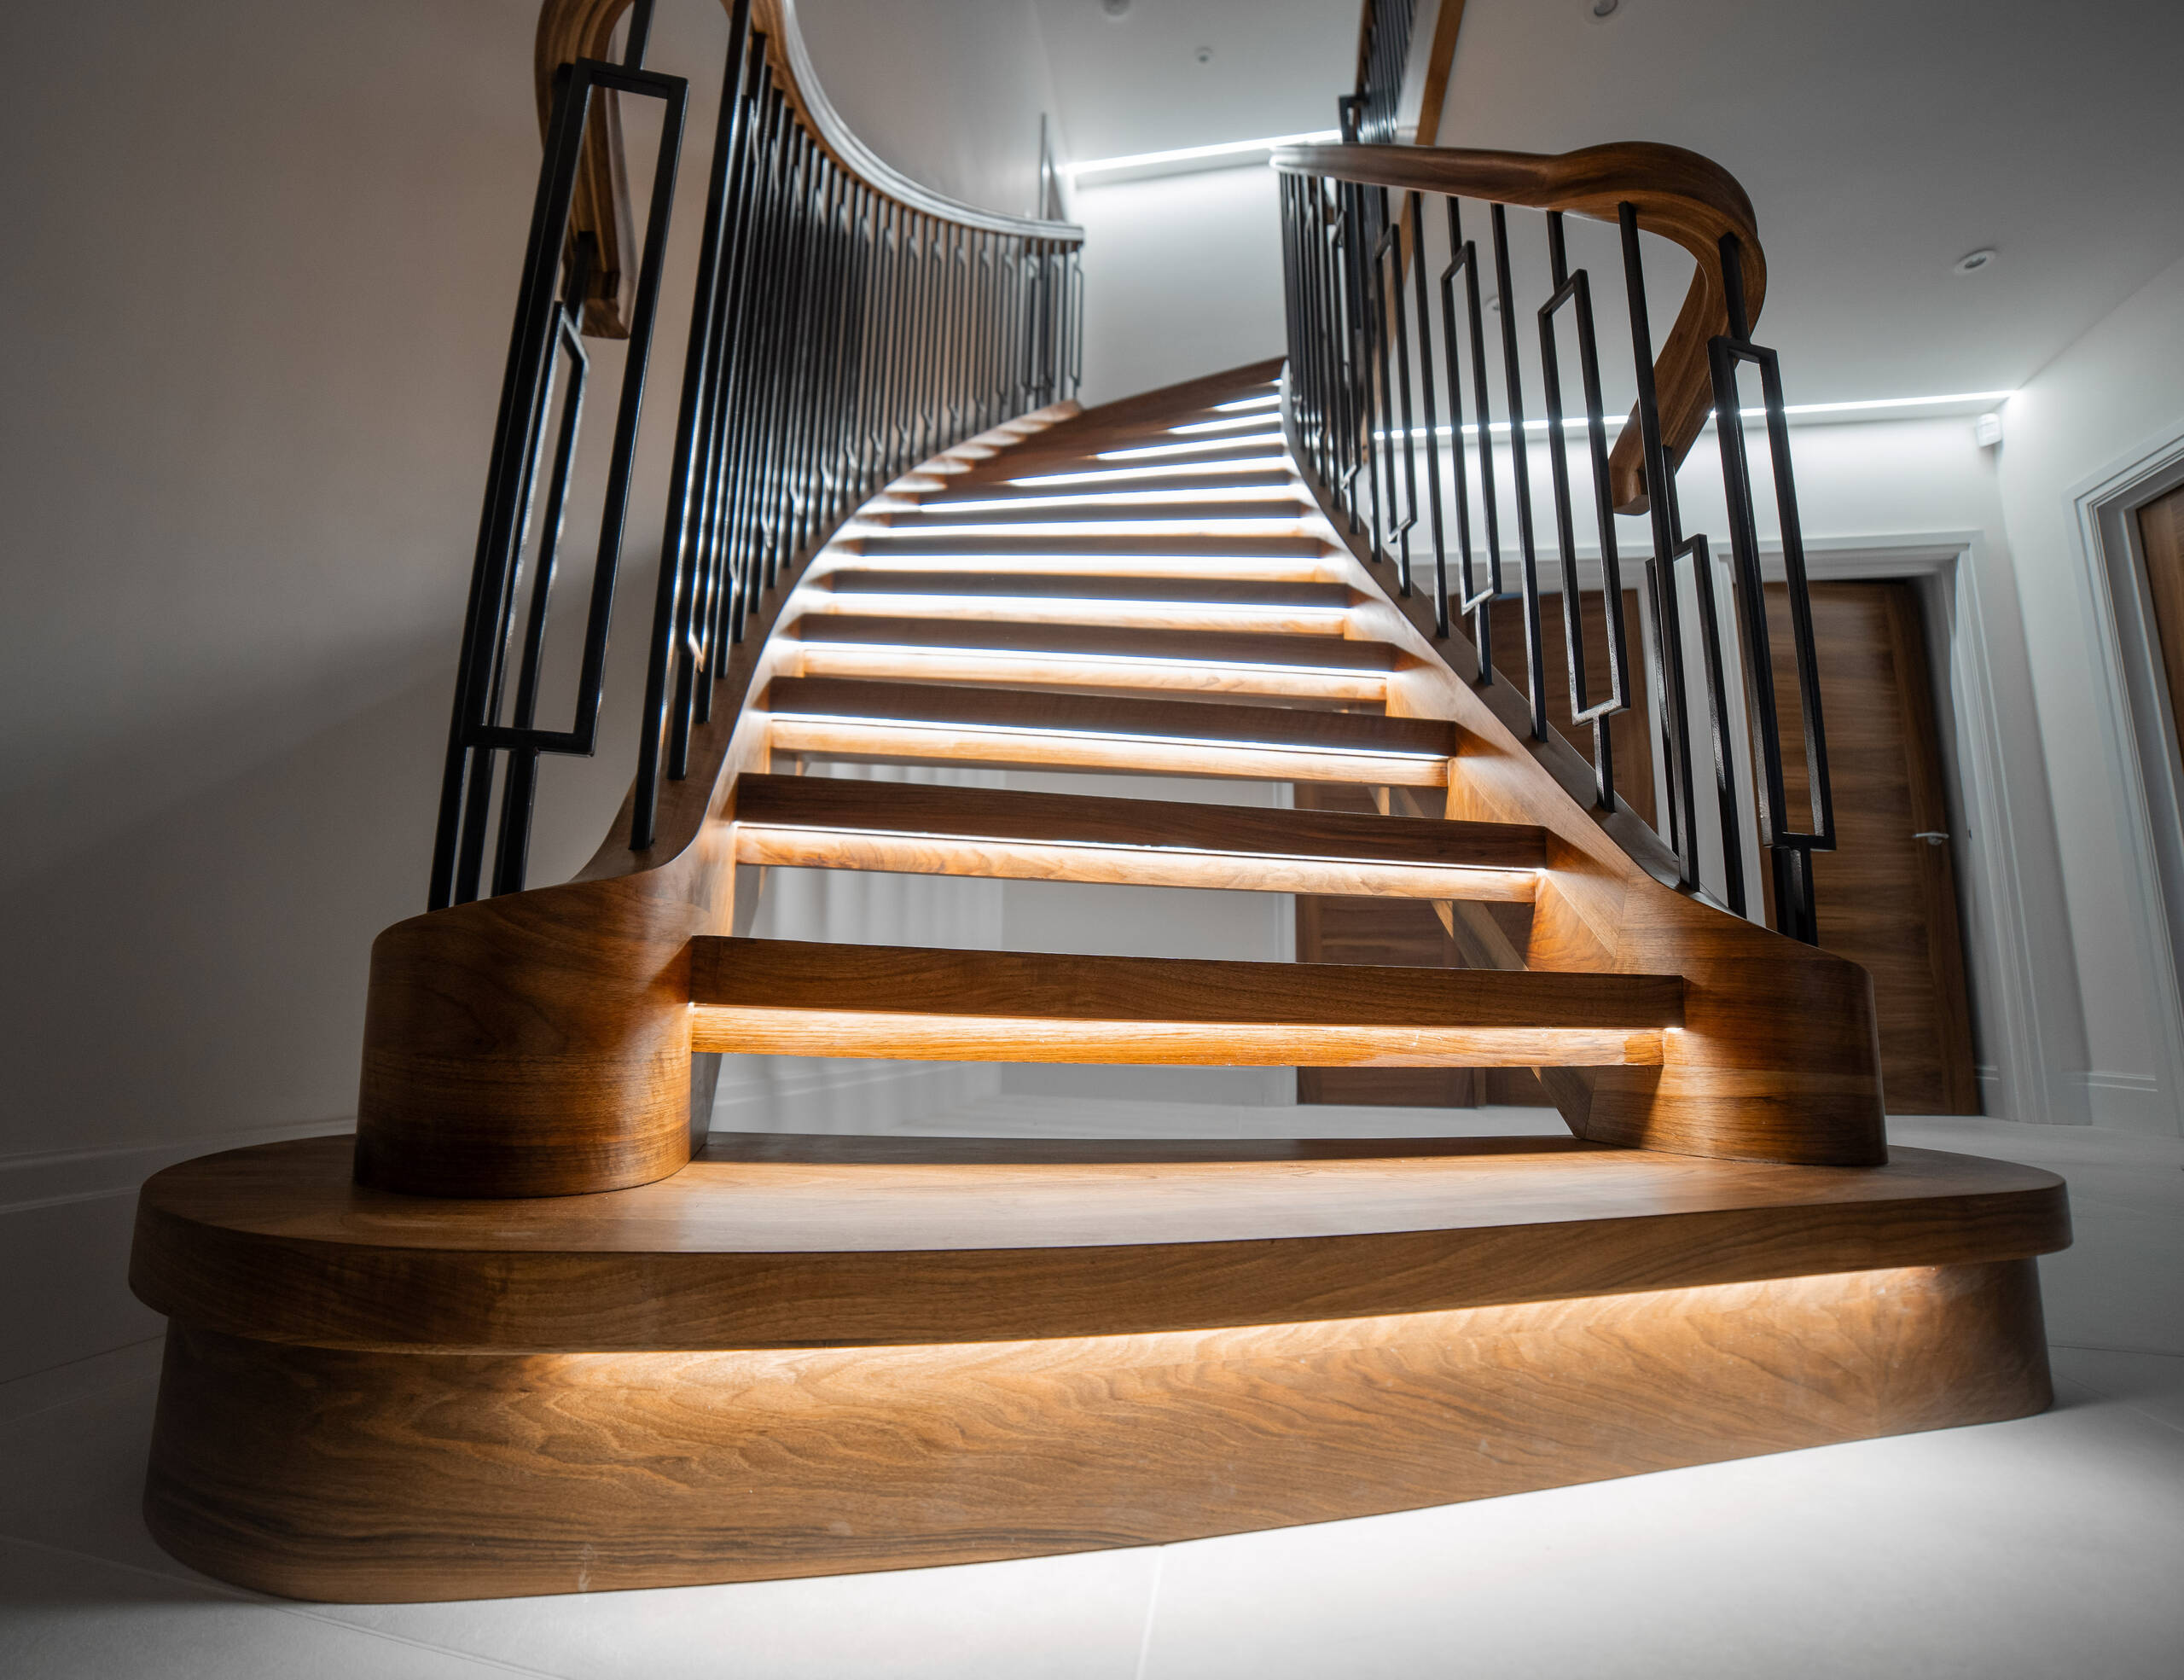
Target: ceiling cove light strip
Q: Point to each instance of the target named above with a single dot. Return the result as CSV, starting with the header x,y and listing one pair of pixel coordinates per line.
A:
x,y
1795,411
1226,148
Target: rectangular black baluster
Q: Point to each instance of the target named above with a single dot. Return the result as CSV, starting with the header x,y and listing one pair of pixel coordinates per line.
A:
x,y
1415,210
519,787
1477,600
1396,344
1669,684
1576,291
679,543
1718,724
1520,472
1796,912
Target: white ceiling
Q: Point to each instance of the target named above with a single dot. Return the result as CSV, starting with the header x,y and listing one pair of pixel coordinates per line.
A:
x,y
1880,140
1134,83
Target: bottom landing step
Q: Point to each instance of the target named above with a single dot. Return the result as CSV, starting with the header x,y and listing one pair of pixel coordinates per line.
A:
x,y
810,1356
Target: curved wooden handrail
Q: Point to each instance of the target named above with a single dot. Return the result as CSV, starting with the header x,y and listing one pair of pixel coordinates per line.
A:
x,y
574,29
1678,194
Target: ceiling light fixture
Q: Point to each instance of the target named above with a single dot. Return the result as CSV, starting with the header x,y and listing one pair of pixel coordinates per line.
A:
x,y
1605,9
1973,261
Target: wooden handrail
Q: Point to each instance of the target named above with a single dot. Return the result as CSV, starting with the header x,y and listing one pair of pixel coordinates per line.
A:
x,y
1678,194
573,29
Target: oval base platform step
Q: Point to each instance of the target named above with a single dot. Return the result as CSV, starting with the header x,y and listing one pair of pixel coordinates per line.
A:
x,y
814,1355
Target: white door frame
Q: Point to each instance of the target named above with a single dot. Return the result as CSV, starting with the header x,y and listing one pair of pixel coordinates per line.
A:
x,y
2138,727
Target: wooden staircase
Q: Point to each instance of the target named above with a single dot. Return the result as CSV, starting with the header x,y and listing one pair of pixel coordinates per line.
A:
x,y
524,1341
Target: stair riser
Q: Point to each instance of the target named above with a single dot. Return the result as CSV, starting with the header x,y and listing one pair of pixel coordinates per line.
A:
x,y
1020,860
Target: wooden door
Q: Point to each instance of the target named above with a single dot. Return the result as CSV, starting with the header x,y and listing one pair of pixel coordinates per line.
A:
x,y
2161,538
1887,897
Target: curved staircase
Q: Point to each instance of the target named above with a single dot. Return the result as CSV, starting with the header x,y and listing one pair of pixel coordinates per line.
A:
x,y
536,1331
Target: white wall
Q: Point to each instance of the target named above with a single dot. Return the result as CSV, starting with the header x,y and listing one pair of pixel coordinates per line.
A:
x,y
948,91
2115,390
1182,276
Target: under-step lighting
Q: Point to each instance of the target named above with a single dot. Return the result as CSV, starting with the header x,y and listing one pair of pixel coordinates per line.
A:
x,y
1238,526
1204,446
1172,469
1237,424
1271,400
1121,498
1393,755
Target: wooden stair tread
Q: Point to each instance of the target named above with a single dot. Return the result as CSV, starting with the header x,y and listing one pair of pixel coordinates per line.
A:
x,y
1122,642
850,716
1082,586
776,1241
1086,819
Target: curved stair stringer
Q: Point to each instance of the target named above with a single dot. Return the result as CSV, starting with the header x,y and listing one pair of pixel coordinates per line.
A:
x,y
538,1042
1779,1055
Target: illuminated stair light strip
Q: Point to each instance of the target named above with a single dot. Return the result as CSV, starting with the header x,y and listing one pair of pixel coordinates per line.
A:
x,y
1394,755
1151,847
1171,469
1151,451
1271,400
1188,494
1235,425
1212,664
1240,526
894,603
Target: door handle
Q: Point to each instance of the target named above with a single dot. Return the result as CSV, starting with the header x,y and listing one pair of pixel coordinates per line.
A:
x,y
1931,837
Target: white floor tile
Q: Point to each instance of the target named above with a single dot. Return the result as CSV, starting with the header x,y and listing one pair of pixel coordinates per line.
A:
x,y
2152,1383
2043,1548
1078,1618
65,1616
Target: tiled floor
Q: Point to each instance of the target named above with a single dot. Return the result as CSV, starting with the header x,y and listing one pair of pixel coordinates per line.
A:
x,y
2046,1547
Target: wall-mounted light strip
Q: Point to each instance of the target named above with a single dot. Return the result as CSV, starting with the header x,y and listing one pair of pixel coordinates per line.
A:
x,y
1575,424
1184,160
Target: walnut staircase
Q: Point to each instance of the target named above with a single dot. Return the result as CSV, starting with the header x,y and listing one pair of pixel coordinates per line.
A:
x,y
523,1340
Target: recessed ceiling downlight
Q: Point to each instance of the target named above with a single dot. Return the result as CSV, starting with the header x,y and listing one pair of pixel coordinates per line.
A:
x,y
1973,261
1603,9
1115,8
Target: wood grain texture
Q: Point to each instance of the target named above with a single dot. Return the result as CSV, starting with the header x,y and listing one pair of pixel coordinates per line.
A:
x,y
1123,643
912,721
1887,900
571,29
774,1240
827,822
1778,1057
1677,194
326,1473
538,1043
789,997
2161,541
